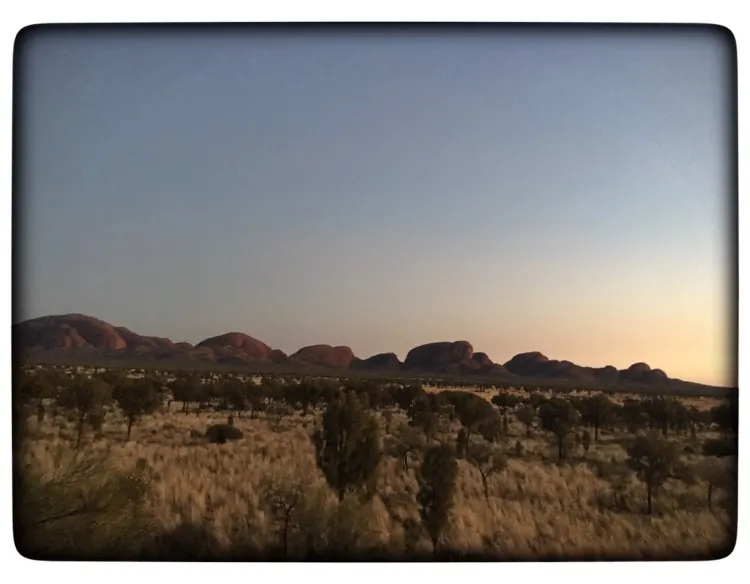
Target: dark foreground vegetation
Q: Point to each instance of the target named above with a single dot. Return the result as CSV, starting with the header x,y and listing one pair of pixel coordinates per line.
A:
x,y
206,466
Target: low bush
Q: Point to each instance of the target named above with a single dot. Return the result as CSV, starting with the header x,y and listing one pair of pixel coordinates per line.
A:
x,y
221,433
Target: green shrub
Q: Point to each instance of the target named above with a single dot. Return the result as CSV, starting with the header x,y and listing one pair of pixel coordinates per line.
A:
x,y
488,461
720,447
83,509
654,460
462,443
347,446
526,414
84,400
586,441
437,484
221,433
560,418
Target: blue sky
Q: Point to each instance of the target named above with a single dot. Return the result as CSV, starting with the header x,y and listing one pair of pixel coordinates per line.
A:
x,y
561,192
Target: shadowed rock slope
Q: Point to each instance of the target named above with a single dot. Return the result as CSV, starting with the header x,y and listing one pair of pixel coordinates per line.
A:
x,y
387,361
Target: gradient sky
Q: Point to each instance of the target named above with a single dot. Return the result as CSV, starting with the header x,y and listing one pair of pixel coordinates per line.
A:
x,y
560,192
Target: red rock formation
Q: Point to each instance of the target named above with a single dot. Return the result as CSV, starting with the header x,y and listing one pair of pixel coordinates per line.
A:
x,y
325,356
68,331
530,364
133,340
483,359
437,355
78,333
278,356
236,345
387,361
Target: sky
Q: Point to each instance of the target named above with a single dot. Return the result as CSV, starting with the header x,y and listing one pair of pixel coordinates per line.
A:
x,y
558,191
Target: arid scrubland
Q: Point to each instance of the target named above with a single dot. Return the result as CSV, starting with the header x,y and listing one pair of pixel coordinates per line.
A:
x,y
264,495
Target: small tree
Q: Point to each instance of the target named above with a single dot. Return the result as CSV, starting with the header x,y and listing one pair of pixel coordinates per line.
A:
x,y
284,495
347,447
427,422
653,459
462,443
726,416
559,417
406,441
471,409
437,484
505,401
278,412
388,419
665,412
136,400
314,395
492,428
95,420
84,399
526,414
300,393
237,398
535,400
596,411
186,389
585,441
204,396
404,396
714,474
631,415
35,388
256,403
618,476
374,392
488,462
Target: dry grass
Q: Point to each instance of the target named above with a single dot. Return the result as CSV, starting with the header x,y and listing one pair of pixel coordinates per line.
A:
x,y
536,508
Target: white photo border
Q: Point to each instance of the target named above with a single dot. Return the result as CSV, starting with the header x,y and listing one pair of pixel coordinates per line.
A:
x,y
19,15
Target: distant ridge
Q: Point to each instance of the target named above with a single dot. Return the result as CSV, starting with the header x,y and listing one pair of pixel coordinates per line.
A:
x,y
58,336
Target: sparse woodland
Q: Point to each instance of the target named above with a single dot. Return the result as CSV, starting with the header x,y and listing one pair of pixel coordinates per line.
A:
x,y
182,465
